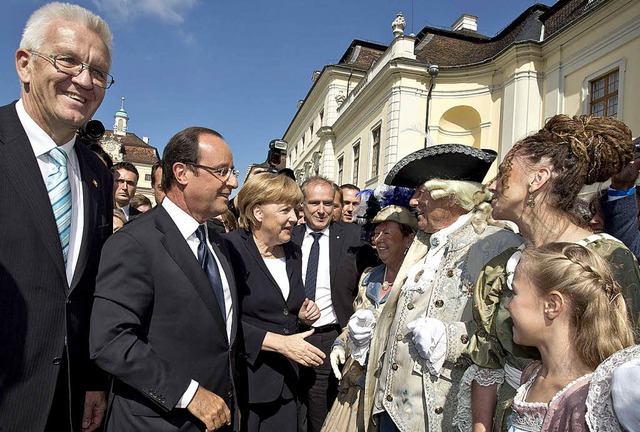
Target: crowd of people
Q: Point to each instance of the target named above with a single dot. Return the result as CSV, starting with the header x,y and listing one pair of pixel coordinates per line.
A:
x,y
431,303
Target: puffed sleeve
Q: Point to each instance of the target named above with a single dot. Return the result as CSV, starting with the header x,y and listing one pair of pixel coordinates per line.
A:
x,y
625,271
484,348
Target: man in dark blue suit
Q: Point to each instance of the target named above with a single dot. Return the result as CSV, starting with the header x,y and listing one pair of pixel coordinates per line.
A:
x,y
165,315
332,281
56,200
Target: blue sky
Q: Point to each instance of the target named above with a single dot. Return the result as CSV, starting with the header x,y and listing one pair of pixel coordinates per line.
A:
x,y
239,67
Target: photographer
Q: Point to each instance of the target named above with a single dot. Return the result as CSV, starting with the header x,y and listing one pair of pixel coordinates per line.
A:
x,y
620,205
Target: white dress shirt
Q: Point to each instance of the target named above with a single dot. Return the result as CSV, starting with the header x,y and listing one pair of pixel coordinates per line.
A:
x,y
323,281
188,227
278,269
42,144
125,211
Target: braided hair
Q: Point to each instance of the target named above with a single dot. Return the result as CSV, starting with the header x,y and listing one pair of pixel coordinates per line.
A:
x,y
581,151
598,311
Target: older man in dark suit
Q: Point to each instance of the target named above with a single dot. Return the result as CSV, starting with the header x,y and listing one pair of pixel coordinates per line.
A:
x,y
331,266
56,200
165,315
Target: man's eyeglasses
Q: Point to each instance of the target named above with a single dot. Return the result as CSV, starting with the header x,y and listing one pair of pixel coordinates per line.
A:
x,y
222,173
72,67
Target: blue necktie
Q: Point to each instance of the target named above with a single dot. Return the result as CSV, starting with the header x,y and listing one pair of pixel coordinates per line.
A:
x,y
312,267
209,265
60,196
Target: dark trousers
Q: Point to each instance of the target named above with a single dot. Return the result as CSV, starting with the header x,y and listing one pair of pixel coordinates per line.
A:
x,y
318,384
277,416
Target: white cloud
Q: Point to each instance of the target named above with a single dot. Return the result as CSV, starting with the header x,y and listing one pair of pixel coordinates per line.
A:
x,y
169,11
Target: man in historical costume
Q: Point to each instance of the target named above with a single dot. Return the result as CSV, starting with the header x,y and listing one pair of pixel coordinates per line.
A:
x,y
414,365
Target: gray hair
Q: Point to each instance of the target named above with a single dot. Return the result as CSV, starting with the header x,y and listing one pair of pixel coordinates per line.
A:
x,y
35,30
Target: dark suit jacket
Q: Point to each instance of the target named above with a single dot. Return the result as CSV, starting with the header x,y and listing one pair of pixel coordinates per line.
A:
x,y
38,309
156,325
348,257
264,309
621,221
133,213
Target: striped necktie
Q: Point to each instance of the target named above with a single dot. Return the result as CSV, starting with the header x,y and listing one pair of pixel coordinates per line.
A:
x,y
312,267
209,265
60,196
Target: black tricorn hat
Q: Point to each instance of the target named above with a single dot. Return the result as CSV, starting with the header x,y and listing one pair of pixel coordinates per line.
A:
x,y
443,161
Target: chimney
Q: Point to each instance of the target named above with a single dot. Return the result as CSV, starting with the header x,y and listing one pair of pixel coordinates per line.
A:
x,y
145,139
466,22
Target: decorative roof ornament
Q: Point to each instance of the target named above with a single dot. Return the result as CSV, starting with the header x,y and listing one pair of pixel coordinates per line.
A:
x,y
398,25
121,112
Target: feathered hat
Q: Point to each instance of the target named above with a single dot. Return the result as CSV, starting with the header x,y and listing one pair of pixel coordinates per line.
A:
x,y
384,203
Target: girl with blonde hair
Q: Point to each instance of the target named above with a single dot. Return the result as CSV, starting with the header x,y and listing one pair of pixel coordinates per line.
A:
x,y
566,303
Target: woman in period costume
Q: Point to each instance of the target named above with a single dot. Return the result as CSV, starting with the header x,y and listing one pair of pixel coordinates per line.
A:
x,y
536,188
392,232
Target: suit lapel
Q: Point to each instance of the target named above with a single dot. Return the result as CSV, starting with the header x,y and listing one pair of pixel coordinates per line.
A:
x,y
180,252
215,244
90,190
20,164
252,249
336,240
297,235
291,261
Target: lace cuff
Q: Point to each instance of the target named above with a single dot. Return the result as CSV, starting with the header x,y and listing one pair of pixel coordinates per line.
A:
x,y
462,418
486,377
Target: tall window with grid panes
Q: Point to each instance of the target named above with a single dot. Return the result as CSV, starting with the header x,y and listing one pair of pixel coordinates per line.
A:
x,y
604,95
375,151
356,162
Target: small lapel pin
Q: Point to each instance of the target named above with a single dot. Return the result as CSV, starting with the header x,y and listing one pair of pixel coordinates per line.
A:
x,y
95,183
337,237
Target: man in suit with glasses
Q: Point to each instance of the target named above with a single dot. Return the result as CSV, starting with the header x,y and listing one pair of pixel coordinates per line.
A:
x,y
57,199
165,316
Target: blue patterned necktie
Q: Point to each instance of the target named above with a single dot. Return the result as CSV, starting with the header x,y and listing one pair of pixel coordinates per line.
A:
x,y
312,267
60,196
209,265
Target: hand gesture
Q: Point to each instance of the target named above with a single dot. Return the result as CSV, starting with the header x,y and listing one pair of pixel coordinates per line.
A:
x,y
301,351
337,357
626,179
210,409
309,312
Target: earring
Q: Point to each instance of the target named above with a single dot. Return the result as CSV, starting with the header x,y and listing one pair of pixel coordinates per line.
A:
x,y
531,201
